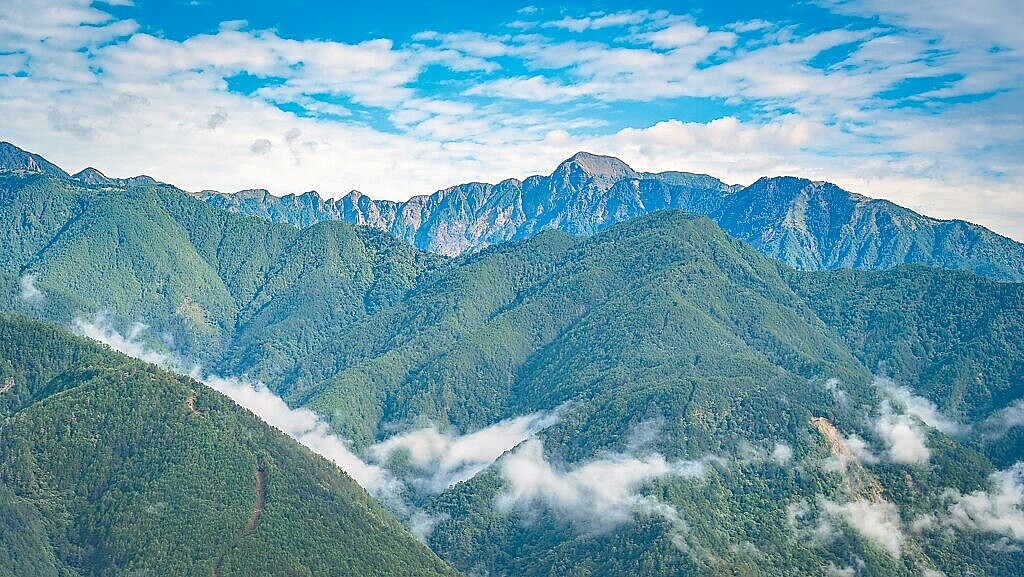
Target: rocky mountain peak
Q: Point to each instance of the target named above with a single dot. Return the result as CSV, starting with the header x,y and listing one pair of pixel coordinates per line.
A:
x,y
91,176
14,159
584,166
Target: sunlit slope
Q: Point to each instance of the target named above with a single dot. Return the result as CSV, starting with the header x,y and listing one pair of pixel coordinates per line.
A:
x,y
113,467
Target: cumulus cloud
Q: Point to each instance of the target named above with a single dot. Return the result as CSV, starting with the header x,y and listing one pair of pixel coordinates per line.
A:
x,y
905,441
997,424
877,521
30,293
596,495
302,425
920,407
999,510
444,459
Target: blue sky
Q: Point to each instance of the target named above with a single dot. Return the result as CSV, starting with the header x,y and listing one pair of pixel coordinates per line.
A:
x,y
917,101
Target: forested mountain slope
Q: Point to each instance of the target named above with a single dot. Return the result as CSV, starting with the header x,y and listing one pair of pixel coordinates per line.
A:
x,y
110,466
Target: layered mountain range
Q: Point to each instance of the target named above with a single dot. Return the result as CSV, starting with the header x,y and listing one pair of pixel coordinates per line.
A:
x,y
649,397
809,225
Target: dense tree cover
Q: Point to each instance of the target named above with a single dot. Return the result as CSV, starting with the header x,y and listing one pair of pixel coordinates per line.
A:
x,y
951,336
660,320
109,466
207,278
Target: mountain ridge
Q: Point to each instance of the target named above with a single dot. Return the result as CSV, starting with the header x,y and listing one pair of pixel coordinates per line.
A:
x,y
842,230
811,225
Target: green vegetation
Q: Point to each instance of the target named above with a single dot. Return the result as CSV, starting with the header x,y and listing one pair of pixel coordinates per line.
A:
x,y
661,322
113,467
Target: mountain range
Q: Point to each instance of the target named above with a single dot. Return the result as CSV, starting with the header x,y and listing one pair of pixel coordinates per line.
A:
x,y
649,397
809,225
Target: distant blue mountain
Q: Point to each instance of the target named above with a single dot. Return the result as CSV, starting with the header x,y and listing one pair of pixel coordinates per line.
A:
x,y
810,225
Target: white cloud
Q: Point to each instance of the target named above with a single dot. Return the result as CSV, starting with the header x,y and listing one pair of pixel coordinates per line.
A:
x,y
860,450
920,407
596,495
130,102
679,34
421,524
835,571
905,442
782,453
444,459
260,146
30,293
307,428
999,510
879,522
100,327
995,22
599,21
835,387
302,425
1000,422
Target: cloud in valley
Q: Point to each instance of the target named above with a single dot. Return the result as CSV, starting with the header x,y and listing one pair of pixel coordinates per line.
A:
x,y
998,510
876,521
595,495
29,292
905,440
1000,422
920,407
444,459
303,425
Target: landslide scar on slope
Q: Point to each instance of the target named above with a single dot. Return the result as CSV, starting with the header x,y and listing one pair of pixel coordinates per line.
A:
x,y
858,481
191,403
260,473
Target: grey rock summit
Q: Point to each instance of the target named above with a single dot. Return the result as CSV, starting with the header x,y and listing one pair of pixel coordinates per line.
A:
x,y
14,159
94,177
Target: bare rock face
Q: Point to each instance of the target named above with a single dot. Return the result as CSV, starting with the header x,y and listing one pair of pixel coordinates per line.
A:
x,y
14,159
583,195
